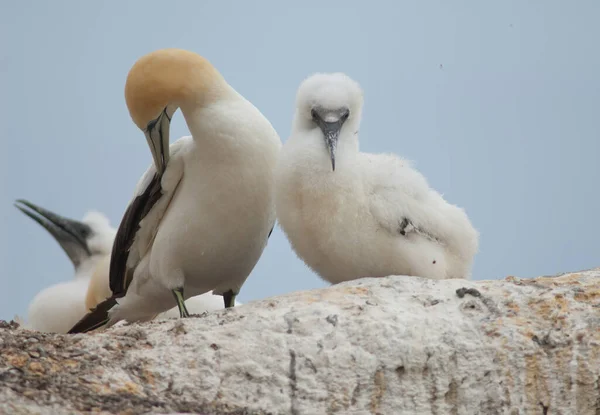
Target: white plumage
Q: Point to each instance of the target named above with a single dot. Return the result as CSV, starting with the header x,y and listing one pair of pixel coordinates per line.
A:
x,y
349,214
202,213
57,308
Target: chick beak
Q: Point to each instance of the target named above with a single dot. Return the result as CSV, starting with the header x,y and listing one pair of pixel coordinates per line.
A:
x,y
330,122
331,133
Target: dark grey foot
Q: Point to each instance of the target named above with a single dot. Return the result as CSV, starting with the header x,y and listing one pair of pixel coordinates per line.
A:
x,y
229,299
461,292
178,294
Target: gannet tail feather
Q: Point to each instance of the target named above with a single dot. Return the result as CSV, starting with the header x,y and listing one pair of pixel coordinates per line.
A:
x,y
96,318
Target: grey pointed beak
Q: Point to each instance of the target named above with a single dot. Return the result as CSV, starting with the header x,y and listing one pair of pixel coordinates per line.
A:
x,y
70,234
157,135
330,122
331,133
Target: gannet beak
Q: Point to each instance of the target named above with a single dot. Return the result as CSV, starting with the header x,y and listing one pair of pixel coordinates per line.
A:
x,y
330,122
332,134
70,234
157,135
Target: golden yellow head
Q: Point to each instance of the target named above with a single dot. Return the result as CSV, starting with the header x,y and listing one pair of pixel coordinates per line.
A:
x,y
169,77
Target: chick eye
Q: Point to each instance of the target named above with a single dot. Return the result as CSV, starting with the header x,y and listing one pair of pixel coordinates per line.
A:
x,y
313,114
345,115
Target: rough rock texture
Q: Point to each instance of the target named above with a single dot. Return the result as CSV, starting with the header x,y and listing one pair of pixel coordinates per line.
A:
x,y
396,345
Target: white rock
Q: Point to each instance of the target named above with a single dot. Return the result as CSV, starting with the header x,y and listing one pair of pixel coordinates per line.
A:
x,y
396,345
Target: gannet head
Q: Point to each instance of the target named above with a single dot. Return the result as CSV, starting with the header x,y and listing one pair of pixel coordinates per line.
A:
x,y
161,82
331,102
80,240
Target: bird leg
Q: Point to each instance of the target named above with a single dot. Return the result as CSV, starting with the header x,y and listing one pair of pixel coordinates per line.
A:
x,y
178,294
229,299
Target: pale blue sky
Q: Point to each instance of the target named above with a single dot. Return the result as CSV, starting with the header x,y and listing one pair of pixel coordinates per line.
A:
x,y
496,103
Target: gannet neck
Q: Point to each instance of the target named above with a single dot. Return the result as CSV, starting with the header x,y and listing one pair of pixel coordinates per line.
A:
x,y
86,267
171,77
98,288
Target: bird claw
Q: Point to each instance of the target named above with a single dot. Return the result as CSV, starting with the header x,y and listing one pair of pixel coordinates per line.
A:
x,y
461,292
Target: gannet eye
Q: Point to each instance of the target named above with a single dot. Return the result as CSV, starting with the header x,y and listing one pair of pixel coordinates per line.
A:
x,y
314,114
152,124
345,116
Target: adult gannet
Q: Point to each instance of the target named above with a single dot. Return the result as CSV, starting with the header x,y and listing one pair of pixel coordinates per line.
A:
x,y
349,214
86,243
202,213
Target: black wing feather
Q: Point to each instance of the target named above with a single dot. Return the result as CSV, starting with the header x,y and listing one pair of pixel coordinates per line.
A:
x,y
120,276
271,231
97,317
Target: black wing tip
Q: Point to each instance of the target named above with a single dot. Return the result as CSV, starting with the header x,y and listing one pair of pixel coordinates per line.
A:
x,y
129,226
95,318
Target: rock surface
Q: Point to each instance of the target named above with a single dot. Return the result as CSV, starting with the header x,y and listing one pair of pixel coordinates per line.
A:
x,y
395,345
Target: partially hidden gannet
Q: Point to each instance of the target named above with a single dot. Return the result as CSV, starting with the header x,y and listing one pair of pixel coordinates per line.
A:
x,y
86,243
202,213
349,214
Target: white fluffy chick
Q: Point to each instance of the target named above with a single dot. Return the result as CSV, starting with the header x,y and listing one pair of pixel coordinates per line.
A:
x,y
350,214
